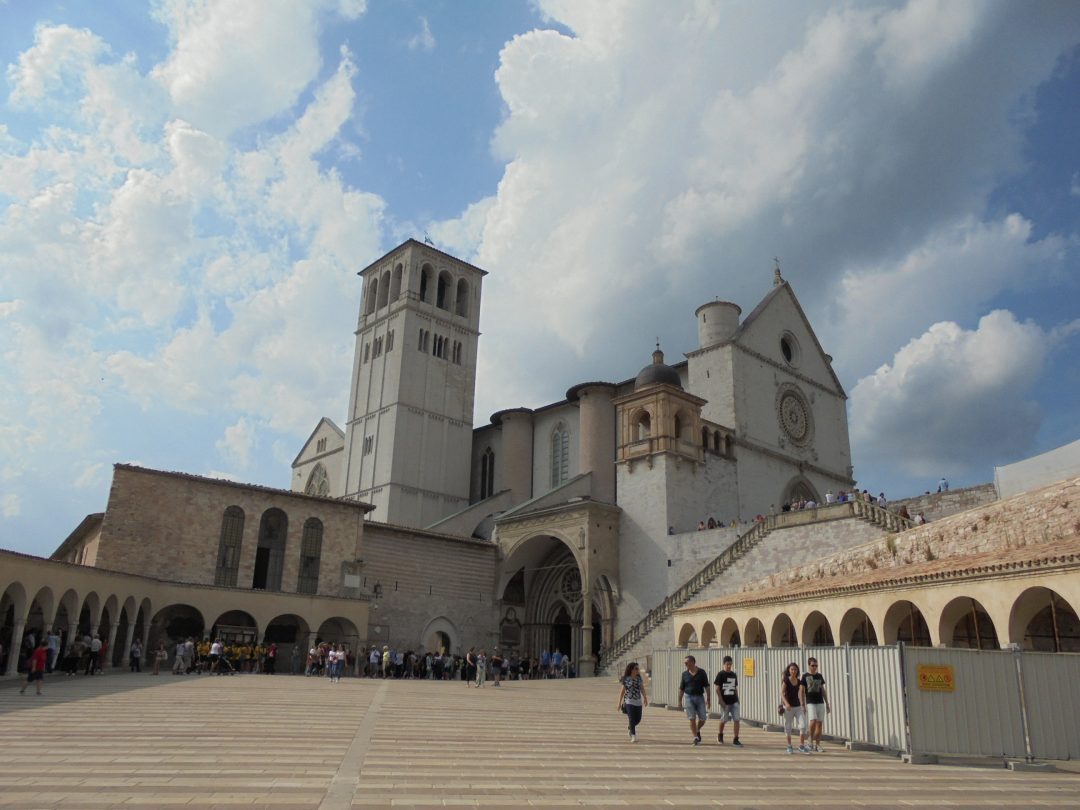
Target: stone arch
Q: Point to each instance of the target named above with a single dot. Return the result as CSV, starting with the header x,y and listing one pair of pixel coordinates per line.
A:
x,y
607,596
816,631
110,615
339,630
704,438
235,626
12,612
461,306
754,634
682,423
797,488
89,613
641,419
856,629
708,634
41,609
964,622
440,633
729,633
687,635
67,614
905,621
174,622
427,282
292,634
384,290
371,297
443,291
1041,619
783,632
395,282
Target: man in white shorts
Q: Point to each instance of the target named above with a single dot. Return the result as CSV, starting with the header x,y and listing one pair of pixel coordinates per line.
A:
x,y
817,703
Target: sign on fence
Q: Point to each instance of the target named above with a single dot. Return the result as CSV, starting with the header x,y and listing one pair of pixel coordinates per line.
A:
x,y
748,667
936,679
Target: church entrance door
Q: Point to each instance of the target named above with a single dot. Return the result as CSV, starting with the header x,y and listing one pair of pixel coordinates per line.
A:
x,y
562,634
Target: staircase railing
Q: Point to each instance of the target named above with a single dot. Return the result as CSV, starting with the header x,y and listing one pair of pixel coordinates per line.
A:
x,y
686,592
865,510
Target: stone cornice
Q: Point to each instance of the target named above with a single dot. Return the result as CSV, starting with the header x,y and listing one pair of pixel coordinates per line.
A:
x,y
792,460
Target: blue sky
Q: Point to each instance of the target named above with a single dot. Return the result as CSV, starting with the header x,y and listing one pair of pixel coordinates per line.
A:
x,y
187,190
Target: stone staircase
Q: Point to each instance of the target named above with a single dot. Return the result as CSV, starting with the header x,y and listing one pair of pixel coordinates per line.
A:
x,y
739,564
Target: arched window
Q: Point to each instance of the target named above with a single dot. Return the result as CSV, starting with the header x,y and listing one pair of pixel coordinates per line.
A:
x,y
717,446
310,553
318,482
425,282
560,455
462,298
705,438
680,424
384,289
395,283
487,473
228,558
643,425
442,298
372,296
270,554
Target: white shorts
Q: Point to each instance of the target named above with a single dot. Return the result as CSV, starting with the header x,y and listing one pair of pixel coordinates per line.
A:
x,y
815,711
795,720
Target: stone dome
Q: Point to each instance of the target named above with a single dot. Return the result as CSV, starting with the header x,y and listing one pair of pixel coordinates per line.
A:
x,y
657,373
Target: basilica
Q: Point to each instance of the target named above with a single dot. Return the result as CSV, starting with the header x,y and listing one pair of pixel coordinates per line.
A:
x,y
580,498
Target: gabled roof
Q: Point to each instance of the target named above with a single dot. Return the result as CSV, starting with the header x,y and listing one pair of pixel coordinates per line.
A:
x,y
89,524
327,420
763,305
425,246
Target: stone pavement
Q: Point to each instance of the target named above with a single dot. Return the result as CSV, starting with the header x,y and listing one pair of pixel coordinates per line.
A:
x,y
282,742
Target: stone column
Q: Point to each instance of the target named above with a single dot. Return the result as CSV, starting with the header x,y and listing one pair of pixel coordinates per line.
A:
x,y
110,653
16,647
126,653
514,464
586,663
597,442
72,635
146,637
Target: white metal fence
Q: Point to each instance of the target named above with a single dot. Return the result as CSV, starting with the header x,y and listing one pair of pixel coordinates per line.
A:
x,y
912,699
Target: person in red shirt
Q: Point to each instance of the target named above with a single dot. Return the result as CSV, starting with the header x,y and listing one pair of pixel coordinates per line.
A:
x,y
38,659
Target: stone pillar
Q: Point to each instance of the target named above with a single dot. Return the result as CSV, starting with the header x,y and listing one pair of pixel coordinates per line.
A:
x,y
110,653
126,653
586,663
146,637
514,464
72,635
16,647
597,440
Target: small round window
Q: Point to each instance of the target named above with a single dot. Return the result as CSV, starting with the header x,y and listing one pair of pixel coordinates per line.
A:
x,y
789,348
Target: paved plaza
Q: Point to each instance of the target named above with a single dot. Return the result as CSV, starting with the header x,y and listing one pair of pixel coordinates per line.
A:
x,y
280,742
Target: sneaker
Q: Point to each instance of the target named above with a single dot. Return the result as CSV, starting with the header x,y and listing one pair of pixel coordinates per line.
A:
x,y
696,741
790,750
633,739
817,749
804,749
720,738
736,743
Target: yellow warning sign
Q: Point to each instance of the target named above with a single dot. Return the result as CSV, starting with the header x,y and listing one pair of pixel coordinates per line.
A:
x,y
748,667
936,678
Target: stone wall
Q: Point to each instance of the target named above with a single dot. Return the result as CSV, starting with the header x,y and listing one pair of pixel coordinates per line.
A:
x,y
429,582
689,552
1043,516
168,525
937,505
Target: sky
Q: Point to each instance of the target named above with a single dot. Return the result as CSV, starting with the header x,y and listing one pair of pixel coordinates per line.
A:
x,y
188,188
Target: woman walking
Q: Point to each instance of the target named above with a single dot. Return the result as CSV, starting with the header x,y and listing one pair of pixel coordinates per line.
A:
x,y
793,701
632,697
160,656
481,669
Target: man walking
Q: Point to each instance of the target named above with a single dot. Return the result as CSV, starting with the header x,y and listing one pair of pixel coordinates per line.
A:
x,y
727,700
694,696
817,703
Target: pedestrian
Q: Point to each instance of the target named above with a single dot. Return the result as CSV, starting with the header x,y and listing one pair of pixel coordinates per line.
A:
x,y
179,667
727,700
294,659
496,667
545,662
792,700
632,697
53,638
93,655
470,667
135,656
36,666
694,696
817,703
481,669
160,657
556,663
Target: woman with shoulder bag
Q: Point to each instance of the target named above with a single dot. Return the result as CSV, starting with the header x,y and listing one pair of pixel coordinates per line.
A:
x,y
792,703
632,697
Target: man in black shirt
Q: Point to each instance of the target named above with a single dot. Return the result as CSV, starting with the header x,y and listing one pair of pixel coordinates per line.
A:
x,y
694,696
817,703
727,700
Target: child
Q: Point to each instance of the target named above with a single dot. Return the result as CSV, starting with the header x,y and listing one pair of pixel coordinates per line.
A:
x,y
38,659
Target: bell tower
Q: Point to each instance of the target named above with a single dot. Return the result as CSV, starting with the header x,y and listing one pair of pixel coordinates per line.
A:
x,y
409,432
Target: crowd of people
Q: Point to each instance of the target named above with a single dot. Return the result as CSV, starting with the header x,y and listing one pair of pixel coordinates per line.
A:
x,y
475,667
803,702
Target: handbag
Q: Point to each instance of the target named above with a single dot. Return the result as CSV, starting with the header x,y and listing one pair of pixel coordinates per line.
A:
x,y
780,709
622,708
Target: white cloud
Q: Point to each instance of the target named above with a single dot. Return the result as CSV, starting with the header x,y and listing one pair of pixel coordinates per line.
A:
x,y
10,505
60,54
952,399
237,443
658,160
423,39
90,476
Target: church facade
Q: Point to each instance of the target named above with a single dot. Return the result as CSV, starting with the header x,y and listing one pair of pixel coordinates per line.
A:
x,y
577,498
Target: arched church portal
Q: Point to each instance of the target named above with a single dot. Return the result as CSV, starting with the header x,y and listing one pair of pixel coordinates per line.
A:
x,y
797,489
542,586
